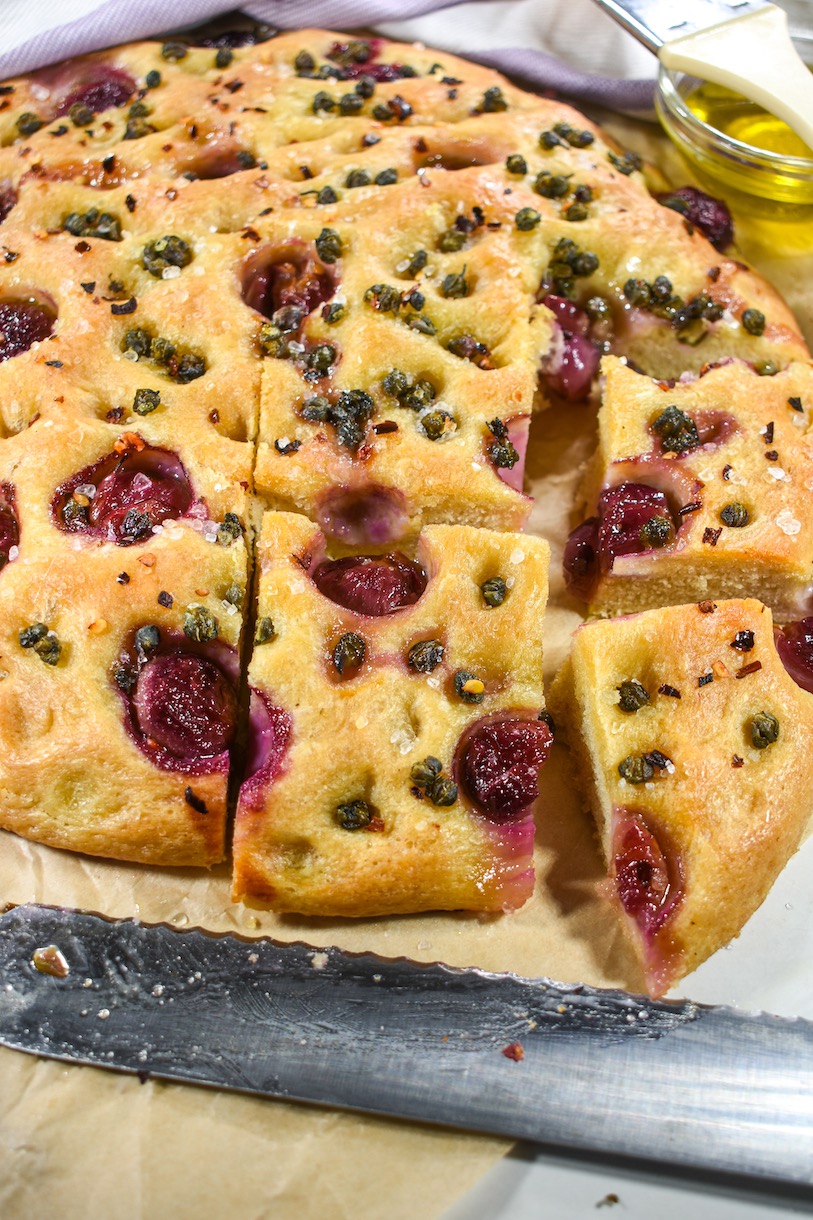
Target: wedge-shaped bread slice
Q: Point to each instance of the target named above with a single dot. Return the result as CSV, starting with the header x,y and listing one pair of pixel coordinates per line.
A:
x,y
699,489
693,747
399,705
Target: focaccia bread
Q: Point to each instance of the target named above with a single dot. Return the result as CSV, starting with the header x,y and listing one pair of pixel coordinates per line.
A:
x,y
335,277
692,746
122,592
400,706
698,489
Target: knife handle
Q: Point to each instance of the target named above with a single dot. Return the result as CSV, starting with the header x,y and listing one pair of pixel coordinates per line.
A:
x,y
752,55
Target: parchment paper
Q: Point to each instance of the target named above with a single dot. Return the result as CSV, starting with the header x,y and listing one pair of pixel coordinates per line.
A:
x,y
80,1143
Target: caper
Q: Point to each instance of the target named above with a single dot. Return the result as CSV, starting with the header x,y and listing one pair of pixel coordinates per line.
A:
x,y
764,730
735,515
678,431
455,285
425,656
635,769
354,815
265,631
349,652
494,591
632,695
442,791
527,219
229,530
146,401
200,624
329,246
657,532
29,636
146,641
493,101
515,163
425,773
165,252
753,320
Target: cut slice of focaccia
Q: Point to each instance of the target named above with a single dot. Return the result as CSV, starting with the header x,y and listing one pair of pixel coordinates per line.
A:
x,y
399,705
699,489
122,591
692,745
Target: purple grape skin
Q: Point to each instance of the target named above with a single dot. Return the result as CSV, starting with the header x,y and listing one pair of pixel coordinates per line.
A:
x,y
711,216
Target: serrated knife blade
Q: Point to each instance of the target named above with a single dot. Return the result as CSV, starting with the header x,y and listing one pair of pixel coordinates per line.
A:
x,y
603,1071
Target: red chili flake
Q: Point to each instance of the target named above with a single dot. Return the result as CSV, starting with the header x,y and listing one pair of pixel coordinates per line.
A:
x,y
126,306
214,415
82,247
304,561
736,761
130,203
704,679
196,803
54,364
234,86
666,689
115,415
727,471
11,256
656,759
306,172
767,435
748,669
89,287
123,578
707,607
690,508
772,455
743,641
165,599
713,274
795,403
375,824
166,148
171,194
250,234
710,535
451,94
386,426
420,145
514,1051
109,164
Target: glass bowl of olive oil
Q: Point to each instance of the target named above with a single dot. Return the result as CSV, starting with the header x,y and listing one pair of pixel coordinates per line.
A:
x,y
737,148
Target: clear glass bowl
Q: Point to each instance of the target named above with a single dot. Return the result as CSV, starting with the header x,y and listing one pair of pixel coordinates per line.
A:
x,y
769,184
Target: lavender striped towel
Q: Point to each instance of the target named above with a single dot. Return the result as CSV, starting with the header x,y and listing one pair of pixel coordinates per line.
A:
x,y
570,46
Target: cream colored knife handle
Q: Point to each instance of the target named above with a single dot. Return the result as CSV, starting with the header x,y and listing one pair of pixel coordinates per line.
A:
x,y
752,55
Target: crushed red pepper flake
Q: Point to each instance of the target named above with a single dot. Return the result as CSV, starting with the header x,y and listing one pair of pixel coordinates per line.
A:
x,y
736,761
743,641
704,679
514,1051
748,669
767,435
710,535
727,471
707,607
720,670
694,507
671,691
772,455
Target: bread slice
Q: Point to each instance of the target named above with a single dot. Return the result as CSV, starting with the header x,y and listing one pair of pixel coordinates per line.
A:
x,y
699,489
400,748
692,746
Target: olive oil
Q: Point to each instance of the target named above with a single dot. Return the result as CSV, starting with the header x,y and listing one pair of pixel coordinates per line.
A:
x,y
741,119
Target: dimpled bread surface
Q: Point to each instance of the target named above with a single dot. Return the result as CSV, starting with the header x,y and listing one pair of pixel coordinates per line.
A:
x,y
753,449
329,277
358,735
725,814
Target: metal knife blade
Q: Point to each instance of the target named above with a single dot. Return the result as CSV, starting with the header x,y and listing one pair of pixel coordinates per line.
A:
x,y
655,22
602,1071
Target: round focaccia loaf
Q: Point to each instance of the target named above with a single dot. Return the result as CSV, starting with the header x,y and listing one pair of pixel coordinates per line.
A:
x,y
692,747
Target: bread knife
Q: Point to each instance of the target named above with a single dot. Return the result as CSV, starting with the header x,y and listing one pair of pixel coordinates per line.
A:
x,y
673,1082
743,45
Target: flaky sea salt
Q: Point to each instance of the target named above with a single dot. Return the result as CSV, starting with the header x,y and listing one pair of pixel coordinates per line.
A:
x,y
517,555
787,522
